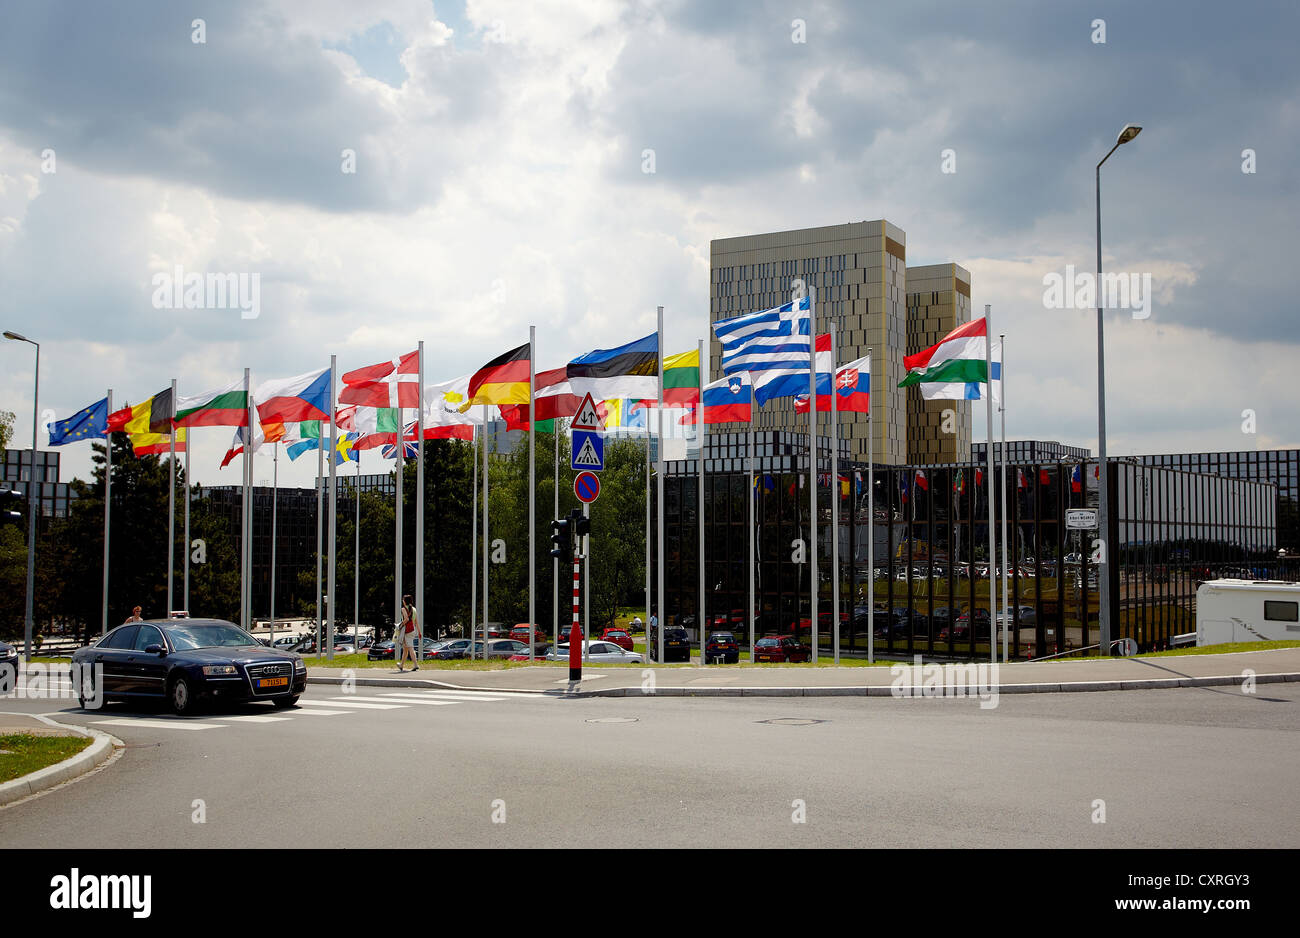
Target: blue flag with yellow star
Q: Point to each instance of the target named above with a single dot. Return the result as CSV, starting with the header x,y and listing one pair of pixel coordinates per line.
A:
x,y
89,423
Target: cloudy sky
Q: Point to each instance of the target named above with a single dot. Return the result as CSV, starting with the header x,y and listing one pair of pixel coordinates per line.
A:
x,y
499,184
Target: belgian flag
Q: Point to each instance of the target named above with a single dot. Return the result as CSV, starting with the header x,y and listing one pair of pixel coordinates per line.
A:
x,y
150,416
504,380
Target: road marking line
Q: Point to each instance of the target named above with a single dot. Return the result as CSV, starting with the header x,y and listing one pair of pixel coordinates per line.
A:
x,y
449,698
407,700
254,718
355,706
323,713
161,724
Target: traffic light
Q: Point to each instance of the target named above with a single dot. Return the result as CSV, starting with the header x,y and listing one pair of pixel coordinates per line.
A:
x,y
11,500
581,524
562,538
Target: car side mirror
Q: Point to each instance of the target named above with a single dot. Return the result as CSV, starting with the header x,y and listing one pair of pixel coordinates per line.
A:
x,y
155,649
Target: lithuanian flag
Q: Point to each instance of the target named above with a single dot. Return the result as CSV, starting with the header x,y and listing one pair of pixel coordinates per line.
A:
x,y
504,380
151,416
682,378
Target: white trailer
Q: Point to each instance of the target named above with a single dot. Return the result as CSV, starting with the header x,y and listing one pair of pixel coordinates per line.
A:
x,y
1247,611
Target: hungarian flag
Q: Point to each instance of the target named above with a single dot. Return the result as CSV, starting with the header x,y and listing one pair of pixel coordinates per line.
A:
x,y
390,384
224,407
153,415
959,483
296,399
954,368
503,380
729,400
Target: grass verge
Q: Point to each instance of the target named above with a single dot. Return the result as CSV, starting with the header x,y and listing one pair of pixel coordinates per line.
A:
x,y
22,753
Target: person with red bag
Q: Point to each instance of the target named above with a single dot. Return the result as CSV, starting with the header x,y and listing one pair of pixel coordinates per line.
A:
x,y
408,633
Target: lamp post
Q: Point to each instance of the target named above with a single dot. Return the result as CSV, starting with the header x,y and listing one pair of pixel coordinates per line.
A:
x,y
1103,495
33,495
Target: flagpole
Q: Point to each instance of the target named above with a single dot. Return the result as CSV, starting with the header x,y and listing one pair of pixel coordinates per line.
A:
x,y
660,617
186,548
1002,408
991,516
486,543
647,532
275,498
812,461
246,507
334,505
320,521
871,525
356,551
753,495
473,543
399,451
532,489
702,615
555,561
835,499
171,499
419,505
108,501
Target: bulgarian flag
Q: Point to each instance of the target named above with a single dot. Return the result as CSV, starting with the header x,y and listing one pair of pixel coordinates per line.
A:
x,y
224,407
955,368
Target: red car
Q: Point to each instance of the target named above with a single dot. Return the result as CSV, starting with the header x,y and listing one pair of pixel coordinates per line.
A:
x,y
781,648
520,633
618,637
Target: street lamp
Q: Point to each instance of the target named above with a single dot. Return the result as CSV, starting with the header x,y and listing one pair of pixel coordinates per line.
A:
x,y
1103,611
33,494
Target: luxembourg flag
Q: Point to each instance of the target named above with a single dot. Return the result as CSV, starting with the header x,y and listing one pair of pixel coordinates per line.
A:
x,y
730,400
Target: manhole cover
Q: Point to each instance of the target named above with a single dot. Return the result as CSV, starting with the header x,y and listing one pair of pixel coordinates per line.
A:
x,y
613,720
791,721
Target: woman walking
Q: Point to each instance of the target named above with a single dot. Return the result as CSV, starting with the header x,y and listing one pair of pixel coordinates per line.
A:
x,y
408,634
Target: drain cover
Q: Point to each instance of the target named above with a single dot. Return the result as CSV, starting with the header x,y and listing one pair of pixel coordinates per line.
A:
x,y
614,720
791,721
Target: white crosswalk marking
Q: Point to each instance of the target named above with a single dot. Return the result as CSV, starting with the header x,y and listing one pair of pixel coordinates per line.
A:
x,y
322,713
357,706
403,701
161,724
464,695
254,718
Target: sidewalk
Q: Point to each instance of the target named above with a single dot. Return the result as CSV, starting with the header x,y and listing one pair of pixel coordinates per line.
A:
x,y
1022,677
100,750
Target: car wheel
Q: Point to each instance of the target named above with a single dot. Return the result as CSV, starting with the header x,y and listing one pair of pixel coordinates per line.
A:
x,y
284,703
181,696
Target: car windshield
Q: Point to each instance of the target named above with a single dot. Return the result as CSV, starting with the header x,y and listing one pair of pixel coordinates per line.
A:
x,y
768,641
185,637
722,637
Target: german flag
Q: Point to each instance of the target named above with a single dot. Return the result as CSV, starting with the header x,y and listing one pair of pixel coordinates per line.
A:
x,y
504,380
151,416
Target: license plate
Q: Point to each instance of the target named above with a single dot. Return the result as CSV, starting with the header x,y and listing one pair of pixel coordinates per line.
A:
x,y
273,682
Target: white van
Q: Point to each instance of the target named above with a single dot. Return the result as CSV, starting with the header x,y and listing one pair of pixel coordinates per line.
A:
x,y
1247,611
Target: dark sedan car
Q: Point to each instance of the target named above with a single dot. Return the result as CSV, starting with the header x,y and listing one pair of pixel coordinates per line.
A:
x,y
676,646
722,646
189,661
384,650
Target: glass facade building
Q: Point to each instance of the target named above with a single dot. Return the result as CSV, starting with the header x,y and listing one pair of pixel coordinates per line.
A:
x,y
55,496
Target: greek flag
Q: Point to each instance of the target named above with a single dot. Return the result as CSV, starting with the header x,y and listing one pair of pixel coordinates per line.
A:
x,y
773,345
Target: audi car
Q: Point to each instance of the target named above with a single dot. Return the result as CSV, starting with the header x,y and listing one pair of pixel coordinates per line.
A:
x,y
8,667
190,662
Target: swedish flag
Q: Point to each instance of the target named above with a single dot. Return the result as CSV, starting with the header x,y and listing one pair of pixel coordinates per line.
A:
x,y
89,423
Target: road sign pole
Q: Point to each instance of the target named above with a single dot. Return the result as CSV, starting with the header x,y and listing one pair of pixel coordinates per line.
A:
x,y
575,632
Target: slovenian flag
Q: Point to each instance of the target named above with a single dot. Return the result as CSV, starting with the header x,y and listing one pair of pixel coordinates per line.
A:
x,y
729,400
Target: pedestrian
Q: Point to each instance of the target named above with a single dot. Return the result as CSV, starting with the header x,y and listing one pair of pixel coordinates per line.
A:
x,y
636,623
407,635
135,615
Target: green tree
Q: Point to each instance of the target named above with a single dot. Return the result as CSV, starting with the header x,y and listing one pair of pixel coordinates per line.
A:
x,y
6,428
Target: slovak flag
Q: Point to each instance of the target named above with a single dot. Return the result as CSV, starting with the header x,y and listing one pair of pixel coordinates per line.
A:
x,y
1076,478
852,383
729,400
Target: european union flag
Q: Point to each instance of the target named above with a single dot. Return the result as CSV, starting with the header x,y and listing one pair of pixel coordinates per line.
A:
x,y
88,423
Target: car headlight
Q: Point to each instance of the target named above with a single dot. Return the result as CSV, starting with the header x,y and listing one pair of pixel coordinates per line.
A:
x,y
299,665
219,670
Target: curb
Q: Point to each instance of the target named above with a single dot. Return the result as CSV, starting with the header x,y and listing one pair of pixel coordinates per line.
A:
x,y
886,690
99,751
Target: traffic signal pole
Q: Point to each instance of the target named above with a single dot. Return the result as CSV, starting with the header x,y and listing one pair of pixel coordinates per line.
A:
x,y
575,630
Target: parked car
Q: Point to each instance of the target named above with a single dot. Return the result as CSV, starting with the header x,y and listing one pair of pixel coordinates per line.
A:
x,y
618,637
8,667
600,653
520,633
722,646
676,645
1028,617
781,648
191,661
961,627
494,630
426,649
543,649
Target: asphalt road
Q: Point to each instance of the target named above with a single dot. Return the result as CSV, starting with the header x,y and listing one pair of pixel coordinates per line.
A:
x,y
1198,767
